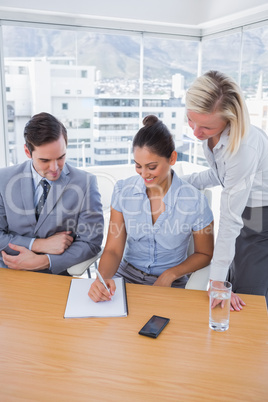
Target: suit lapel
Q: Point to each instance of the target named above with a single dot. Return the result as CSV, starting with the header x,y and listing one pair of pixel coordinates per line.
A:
x,y
27,193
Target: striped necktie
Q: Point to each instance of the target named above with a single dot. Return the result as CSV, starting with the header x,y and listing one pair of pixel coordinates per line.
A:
x,y
42,200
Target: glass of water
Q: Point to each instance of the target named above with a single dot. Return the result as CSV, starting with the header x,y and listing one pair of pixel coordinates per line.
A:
x,y
219,305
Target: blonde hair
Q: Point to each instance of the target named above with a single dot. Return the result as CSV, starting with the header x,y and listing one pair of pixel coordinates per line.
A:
x,y
216,92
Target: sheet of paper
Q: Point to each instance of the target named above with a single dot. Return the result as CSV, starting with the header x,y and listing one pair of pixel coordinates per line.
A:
x,y
80,305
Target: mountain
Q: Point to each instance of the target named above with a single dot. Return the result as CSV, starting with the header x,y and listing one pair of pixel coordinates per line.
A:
x,y
118,56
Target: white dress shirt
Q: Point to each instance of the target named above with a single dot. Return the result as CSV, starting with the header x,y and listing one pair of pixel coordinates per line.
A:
x,y
38,191
244,181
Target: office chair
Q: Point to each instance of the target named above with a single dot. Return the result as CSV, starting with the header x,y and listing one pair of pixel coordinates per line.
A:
x,y
79,269
199,280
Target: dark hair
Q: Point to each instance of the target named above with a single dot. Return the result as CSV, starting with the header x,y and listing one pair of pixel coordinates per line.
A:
x,y
155,136
41,129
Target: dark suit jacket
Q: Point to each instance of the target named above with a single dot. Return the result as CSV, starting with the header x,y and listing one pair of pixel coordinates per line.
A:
x,y
73,203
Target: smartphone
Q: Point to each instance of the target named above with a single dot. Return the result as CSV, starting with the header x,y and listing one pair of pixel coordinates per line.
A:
x,y
154,326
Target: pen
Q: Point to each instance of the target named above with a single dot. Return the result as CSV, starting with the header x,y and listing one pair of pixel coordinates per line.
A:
x,y
102,280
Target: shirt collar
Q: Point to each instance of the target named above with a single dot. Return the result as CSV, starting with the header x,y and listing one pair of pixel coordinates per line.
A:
x,y
139,186
224,138
37,177
223,141
173,191
171,195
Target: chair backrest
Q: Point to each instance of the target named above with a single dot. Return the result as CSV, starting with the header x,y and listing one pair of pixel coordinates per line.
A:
x,y
199,279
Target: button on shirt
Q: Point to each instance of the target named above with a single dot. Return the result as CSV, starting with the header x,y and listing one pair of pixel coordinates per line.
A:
x,y
153,248
244,181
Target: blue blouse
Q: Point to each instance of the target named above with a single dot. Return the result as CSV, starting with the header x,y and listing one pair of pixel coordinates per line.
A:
x,y
153,248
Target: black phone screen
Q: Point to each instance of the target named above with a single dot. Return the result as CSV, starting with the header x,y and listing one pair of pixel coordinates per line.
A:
x,y
154,326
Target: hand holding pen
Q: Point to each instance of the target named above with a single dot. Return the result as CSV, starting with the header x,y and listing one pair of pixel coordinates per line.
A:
x,y
99,291
102,280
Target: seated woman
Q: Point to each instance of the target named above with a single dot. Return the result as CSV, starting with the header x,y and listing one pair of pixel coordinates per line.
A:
x,y
153,216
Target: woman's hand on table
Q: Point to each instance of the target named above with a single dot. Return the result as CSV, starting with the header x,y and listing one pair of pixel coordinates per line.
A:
x,y
236,302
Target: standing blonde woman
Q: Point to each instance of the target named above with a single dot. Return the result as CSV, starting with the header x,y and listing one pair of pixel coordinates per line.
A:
x,y
237,153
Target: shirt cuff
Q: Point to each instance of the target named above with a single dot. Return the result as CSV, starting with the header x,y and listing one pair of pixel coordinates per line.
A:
x,y
48,256
31,244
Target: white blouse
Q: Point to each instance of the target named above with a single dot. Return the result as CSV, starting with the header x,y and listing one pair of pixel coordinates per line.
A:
x,y
244,181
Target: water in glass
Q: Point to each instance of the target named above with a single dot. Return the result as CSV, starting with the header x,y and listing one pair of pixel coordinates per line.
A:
x,y
219,311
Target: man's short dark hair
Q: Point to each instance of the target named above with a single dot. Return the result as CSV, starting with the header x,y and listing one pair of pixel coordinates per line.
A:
x,y
43,128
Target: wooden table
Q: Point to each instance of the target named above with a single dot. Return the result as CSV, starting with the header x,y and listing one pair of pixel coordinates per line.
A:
x,y
45,357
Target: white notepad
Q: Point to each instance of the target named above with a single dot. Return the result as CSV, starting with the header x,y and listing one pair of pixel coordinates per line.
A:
x,y
80,305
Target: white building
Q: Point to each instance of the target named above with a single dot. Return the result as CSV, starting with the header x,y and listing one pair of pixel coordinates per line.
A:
x,y
178,85
100,127
56,86
117,120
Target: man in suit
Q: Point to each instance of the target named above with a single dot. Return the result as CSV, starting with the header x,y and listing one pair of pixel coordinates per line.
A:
x,y
50,225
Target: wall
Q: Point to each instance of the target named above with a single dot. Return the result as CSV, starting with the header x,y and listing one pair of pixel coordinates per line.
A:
x,y
145,14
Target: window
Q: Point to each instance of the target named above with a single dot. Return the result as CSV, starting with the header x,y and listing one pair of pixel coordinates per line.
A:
x,y
117,102
22,70
216,51
112,102
163,59
117,114
10,113
254,78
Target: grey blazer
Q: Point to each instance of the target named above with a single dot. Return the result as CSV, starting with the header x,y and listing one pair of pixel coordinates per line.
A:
x,y
73,203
